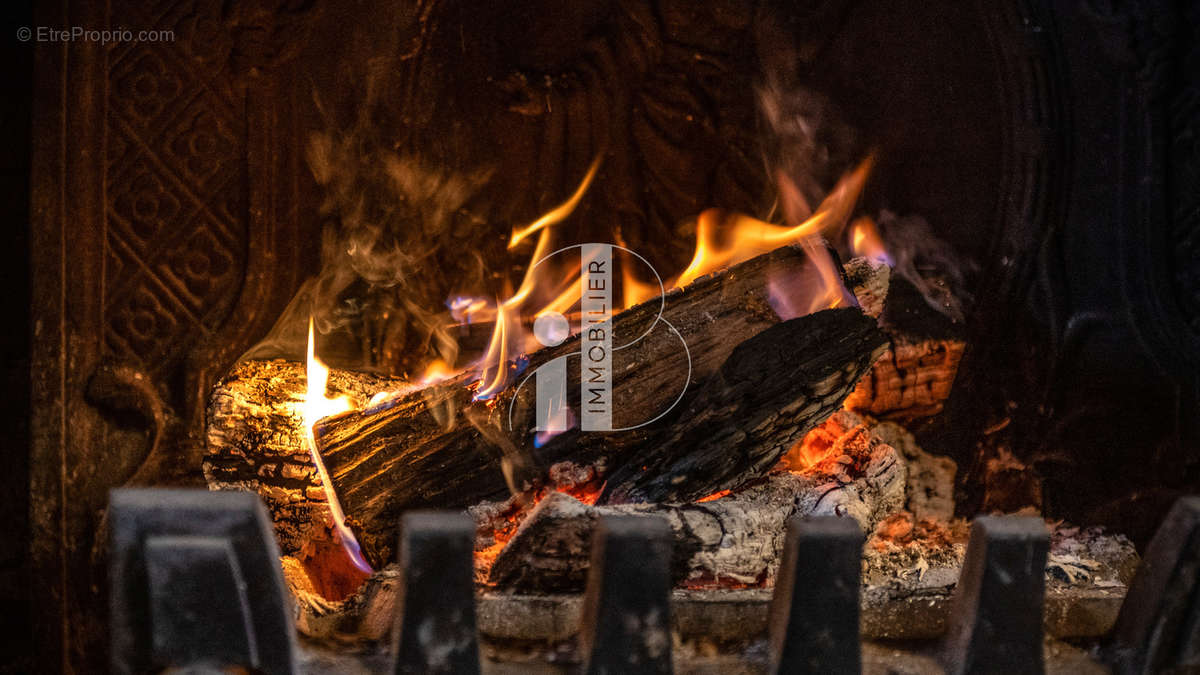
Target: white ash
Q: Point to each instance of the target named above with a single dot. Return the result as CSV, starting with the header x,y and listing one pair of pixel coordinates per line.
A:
x,y
929,491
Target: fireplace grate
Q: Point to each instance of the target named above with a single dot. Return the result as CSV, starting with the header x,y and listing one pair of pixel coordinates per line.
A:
x,y
195,582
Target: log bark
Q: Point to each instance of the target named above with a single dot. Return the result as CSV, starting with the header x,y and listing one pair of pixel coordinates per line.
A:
x,y
733,541
397,456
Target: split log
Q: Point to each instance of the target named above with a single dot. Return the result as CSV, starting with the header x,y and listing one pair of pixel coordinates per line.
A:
x,y
397,456
913,378
734,541
869,280
255,442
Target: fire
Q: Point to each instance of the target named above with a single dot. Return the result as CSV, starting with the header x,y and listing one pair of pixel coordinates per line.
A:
x,y
560,212
865,240
634,290
465,309
543,290
582,482
316,406
437,371
724,239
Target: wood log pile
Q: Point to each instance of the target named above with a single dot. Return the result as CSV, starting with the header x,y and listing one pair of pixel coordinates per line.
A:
x,y
758,385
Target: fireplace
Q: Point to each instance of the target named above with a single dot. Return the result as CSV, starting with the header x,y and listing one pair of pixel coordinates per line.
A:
x,y
978,218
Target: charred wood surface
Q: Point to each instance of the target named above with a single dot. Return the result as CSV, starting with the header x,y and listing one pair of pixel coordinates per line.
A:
x,y
772,390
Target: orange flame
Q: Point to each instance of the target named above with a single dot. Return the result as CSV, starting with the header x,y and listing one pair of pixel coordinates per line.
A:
x,y
865,240
438,371
560,212
746,237
633,290
539,293
316,406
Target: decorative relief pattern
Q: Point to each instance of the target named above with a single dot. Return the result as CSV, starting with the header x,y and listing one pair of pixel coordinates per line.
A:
x,y
176,175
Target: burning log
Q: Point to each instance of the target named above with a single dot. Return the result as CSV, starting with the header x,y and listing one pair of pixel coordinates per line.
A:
x,y
913,378
438,447
733,541
772,390
256,443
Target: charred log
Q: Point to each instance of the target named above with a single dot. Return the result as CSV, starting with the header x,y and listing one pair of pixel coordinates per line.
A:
x,y
772,390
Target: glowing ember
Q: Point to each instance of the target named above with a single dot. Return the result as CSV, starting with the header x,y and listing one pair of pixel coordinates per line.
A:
x,y
316,406
583,482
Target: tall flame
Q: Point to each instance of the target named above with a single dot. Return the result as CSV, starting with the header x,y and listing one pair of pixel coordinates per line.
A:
x,y
316,406
540,292
560,212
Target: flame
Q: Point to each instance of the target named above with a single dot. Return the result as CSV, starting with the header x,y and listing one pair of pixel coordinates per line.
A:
x,y
633,290
543,289
467,309
316,406
865,241
724,239
560,212
438,371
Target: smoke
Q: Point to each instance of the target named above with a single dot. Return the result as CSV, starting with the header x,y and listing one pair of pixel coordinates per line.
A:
x,y
929,263
397,241
808,146
806,139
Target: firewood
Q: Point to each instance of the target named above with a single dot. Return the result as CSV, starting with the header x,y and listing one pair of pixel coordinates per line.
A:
x,y
397,456
733,541
254,436
772,390
912,380
255,441
869,280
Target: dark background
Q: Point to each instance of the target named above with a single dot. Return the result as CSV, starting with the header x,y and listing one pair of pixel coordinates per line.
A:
x,y
15,119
